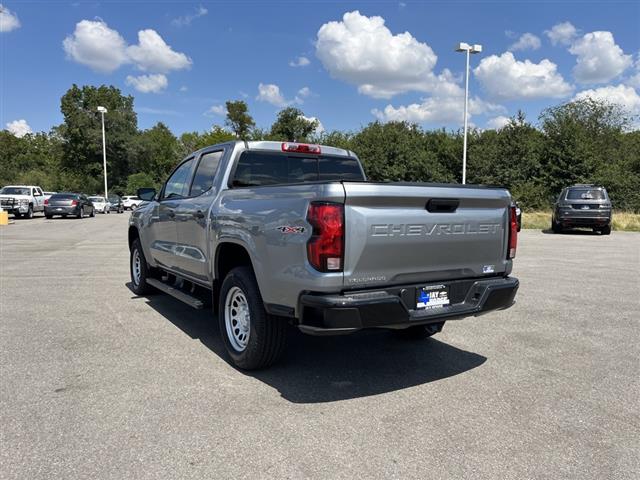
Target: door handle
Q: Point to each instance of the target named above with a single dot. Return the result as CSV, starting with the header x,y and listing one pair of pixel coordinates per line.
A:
x,y
198,214
171,213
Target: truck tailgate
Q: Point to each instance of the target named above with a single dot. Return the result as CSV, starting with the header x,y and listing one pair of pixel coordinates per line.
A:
x,y
400,234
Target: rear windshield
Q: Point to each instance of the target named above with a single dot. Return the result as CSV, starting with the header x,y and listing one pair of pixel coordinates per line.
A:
x,y
16,191
96,199
586,194
255,169
64,196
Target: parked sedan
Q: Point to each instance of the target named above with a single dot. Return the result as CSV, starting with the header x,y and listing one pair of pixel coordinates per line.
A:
x,y
100,204
116,204
65,204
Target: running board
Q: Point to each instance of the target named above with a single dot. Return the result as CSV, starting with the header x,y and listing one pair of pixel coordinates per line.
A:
x,y
174,292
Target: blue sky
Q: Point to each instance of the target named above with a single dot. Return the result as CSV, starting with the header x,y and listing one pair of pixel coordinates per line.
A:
x,y
362,60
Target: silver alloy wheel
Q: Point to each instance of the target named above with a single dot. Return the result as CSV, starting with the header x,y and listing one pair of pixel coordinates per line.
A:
x,y
136,266
237,319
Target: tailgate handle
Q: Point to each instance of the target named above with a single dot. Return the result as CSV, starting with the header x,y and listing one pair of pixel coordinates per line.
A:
x,y
442,205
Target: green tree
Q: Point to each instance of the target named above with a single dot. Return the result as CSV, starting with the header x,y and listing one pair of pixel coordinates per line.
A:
x,y
81,131
582,137
192,141
157,152
238,118
291,125
140,180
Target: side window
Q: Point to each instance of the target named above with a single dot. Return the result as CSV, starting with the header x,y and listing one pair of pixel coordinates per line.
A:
x,y
205,173
178,182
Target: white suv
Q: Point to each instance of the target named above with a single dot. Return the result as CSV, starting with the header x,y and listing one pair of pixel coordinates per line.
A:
x,y
131,202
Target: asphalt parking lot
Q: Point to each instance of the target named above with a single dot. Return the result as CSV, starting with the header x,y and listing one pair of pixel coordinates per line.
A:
x,y
96,383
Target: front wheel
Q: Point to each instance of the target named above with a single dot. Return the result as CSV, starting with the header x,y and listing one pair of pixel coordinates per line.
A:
x,y
555,227
29,213
606,230
140,271
253,338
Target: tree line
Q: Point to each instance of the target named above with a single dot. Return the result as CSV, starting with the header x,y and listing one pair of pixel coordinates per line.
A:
x,y
585,141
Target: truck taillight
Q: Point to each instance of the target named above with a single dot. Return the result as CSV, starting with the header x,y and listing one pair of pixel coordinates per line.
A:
x,y
300,148
325,249
513,233
46,201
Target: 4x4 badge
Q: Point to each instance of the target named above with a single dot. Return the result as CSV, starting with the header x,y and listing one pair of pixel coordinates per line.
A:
x,y
284,229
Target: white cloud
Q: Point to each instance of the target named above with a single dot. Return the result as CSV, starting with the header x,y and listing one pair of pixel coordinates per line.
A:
x,y
599,58
527,41
219,110
436,110
185,20
562,33
154,55
270,93
19,128
104,50
97,46
300,62
622,95
304,92
496,123
319,127
362,51
184,88
505,78
634,79
8,19
148,83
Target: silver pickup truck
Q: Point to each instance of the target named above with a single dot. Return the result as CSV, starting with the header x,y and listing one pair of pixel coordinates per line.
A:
x,y
288,233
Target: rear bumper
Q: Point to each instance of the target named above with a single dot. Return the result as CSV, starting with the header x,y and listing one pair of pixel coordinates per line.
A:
x,y
61,210
585,221
395,307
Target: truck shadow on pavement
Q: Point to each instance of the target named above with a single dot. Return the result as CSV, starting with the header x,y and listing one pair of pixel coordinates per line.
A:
x,y
328,369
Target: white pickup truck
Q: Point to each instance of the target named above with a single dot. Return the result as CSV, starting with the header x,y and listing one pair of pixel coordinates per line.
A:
x,y
22,200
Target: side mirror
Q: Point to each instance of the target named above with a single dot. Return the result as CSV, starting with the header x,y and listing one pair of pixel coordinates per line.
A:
x,y
146,194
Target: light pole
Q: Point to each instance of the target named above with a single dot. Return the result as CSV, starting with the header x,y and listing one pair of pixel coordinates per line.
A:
x,y
103,110
465,47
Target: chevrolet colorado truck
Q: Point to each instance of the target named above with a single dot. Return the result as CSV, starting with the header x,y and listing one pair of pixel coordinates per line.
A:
x,y
22,200
289,233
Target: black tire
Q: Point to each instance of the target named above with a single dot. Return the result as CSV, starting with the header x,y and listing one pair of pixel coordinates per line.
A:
x,y
606,230
48,217
93,213
139,283
17,215
555,227
80,213
64,215
419,332
267,333
29,213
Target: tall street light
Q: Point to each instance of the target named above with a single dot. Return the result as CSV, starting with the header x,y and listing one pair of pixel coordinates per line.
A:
x,y
465,47
103,110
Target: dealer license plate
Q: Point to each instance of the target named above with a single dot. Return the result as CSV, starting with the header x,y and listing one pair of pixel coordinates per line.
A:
x,y
432,296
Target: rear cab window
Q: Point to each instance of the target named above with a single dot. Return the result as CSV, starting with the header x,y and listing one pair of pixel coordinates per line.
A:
x,y
259,168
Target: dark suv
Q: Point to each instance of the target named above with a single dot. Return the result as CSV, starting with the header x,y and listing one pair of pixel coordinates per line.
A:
x,y
582,206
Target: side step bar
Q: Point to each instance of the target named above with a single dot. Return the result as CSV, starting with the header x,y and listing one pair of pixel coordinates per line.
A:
x,y
174,292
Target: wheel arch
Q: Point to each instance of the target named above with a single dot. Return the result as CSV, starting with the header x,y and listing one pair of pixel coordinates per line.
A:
x,y
229,254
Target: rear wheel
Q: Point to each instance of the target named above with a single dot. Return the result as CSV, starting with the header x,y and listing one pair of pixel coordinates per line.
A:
x,y
49,217
29,213
140,271
253,338
80,213
419,332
